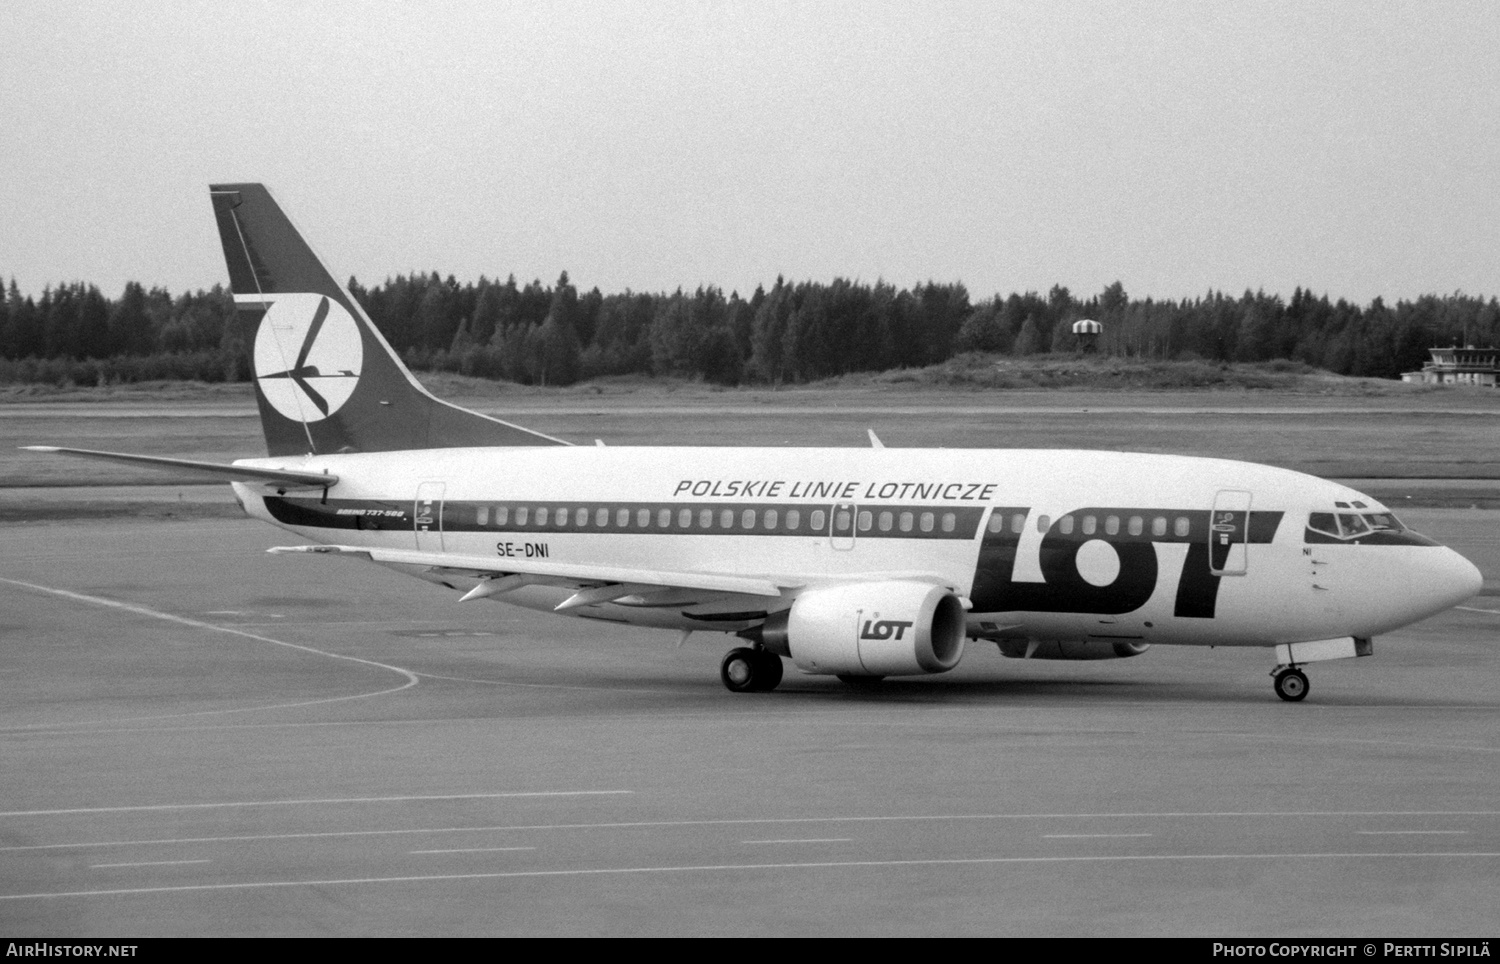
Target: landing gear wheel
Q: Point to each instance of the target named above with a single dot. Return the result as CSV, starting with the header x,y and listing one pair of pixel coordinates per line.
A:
x,y
750,670
1291,685
768,673
738,671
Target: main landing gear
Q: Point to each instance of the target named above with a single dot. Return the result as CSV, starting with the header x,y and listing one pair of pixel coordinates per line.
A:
x,y
1291,683
747,670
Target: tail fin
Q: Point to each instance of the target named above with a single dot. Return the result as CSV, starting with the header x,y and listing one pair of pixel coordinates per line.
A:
x,y
325,379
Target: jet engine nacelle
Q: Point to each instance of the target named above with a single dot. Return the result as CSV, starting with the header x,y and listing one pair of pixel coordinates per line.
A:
x,y
889,628
1071,649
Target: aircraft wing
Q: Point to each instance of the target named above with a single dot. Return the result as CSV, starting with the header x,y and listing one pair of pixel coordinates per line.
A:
x,y
274,478
604,582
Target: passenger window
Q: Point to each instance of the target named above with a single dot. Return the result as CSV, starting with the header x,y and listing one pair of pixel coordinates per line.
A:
x,y
1136,525
580,517
1159,526
726,518
927,520
685,519
906,521
866,520
747,519
841,520
1111,525
949,521
622,518
501,512
793,518
601,517
561,516
483,515
1018,523
817,519
541,516
1089,525
705,518
1181,527
521,513
1043,523
997,522
663,518
643,518
1065,525
770,522
887,520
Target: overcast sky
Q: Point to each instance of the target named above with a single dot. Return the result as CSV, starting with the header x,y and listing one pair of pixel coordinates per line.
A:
x,y
1353,148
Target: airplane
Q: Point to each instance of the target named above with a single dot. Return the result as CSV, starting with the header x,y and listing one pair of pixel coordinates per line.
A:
x,y
859,563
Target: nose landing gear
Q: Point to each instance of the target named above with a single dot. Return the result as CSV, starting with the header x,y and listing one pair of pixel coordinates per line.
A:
x,y
1290,682
746,670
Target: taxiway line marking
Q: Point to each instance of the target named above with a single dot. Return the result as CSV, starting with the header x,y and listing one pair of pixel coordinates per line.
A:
x,y
791,718
802,840
722,868
1474,609
149,863
1399,833
293,803
471,850
748,821
1089,836
411,678
544,686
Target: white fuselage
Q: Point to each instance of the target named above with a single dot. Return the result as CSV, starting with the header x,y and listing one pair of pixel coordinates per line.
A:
x,y
1046,544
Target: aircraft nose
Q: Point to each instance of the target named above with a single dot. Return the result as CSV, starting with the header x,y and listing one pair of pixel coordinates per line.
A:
x,y
1429,581
1449,579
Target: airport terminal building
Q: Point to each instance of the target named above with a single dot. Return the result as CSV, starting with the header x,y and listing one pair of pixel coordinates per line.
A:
x,y
1459,366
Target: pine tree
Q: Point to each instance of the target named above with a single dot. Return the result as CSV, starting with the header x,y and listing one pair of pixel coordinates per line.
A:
x,y
1029,341
129,326
486,317
93,325
25,325
557,349
767,330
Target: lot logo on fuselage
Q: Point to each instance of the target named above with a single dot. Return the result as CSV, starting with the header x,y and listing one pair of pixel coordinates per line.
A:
x,y
308,353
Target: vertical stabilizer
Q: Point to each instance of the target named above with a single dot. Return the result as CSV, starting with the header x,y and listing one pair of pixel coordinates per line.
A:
x,y
325,379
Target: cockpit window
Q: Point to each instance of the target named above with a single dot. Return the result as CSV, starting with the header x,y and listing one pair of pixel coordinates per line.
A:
x,y
1323,522
1352,525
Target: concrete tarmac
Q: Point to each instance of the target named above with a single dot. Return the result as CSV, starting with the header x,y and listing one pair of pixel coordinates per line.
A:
x,y
197,738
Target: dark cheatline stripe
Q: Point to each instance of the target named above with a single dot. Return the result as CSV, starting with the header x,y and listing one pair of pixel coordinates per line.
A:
x,y
701,518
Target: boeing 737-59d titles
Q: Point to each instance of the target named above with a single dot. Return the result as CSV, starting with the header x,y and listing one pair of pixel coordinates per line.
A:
x,y
855,562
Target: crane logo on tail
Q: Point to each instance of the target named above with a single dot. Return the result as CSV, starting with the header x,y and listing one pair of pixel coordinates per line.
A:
x,y
308,353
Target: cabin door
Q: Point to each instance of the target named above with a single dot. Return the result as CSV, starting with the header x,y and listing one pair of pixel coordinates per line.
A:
x,y
427,517
842,525
1228,532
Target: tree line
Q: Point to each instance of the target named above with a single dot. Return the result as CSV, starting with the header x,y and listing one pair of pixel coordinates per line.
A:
x,y
789,333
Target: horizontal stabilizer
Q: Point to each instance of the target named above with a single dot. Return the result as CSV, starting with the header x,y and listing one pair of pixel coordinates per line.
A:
x,y
275,478
564,573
